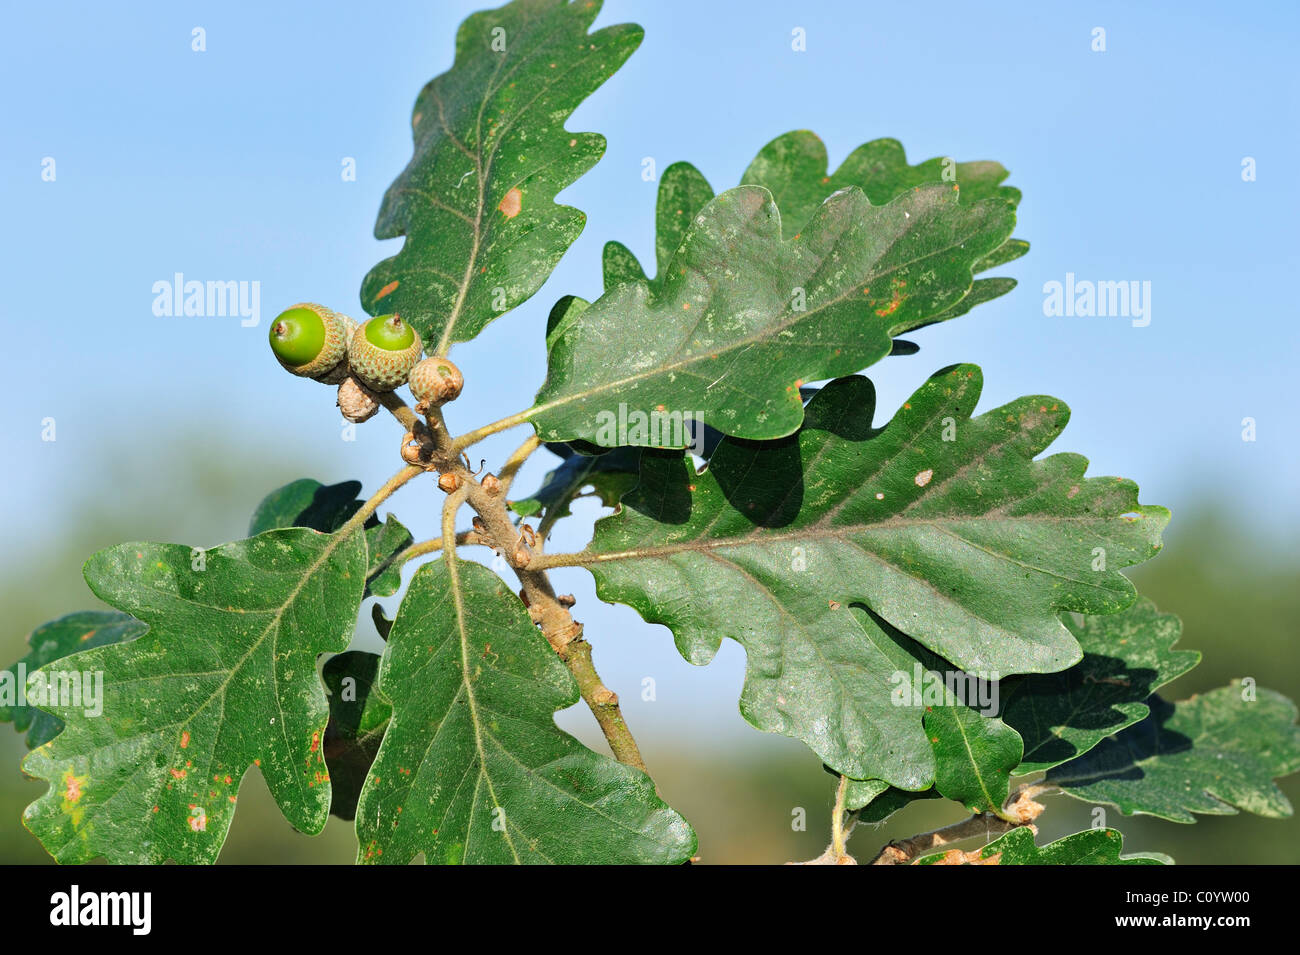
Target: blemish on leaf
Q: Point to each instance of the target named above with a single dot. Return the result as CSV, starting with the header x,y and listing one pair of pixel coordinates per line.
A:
x,y
72,786
923,478
512,203
185,738
388,289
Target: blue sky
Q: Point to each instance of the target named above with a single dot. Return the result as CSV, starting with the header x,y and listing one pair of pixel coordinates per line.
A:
x,y
225,165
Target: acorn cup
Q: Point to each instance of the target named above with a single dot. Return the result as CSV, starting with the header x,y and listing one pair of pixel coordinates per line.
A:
x,y
434,382
383,351
311,341
356,402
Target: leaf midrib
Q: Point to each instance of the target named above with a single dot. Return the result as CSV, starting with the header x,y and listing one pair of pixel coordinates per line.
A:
x,y
484,163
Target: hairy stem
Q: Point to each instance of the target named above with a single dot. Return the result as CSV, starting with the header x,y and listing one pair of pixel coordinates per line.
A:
x,y
399,409
516,461
383,494
421,548
580,559
478,434
603,702
837,819
498,531
558,626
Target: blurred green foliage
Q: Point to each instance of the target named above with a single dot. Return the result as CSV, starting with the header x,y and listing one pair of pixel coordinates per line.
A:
x,y
744,792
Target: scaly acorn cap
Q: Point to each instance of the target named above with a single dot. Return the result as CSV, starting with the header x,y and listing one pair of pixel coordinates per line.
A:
x,y
383,351
310,340
435,381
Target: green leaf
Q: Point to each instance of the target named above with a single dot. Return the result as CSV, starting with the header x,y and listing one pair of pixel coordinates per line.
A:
x,y
326,508
732,344
477,200
1090,847
683,192
473,768
793,167
224,679
306,503
1064,713
880,807
1126,657
860,792
563,312
619,265
974,753
610,476
1211,754
974,756
384,542
52,641
358,719
942,524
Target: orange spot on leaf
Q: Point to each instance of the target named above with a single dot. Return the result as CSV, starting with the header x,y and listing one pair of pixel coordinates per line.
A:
x,y
73,791
512,203
388,289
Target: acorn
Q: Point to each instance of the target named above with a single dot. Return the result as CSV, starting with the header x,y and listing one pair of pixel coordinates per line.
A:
x,y
311,340
435,381
383,351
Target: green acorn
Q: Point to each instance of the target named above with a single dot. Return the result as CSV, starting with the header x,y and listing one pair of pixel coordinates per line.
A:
x,y
310,340
383,351
435,381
